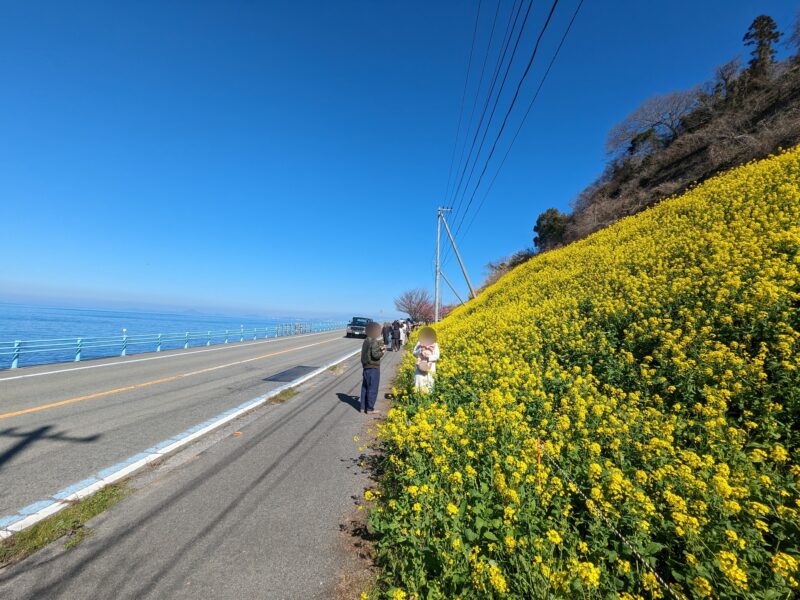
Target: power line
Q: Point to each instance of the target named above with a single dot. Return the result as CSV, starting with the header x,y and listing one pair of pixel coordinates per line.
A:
x,y
494,108
501,60
527,112
463,96
491,92
478,90
508,113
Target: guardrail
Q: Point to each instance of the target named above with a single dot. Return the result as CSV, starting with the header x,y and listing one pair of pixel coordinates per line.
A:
x,y
74,349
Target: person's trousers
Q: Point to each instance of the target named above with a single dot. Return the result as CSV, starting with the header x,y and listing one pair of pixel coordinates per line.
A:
x,y
369,388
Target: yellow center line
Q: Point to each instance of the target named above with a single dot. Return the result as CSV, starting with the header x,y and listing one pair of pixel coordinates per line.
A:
x,y
137,386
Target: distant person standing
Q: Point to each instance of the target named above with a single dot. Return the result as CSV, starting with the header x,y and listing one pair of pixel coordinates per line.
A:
x,y
403,333
427,353
387,334
396,336
372,351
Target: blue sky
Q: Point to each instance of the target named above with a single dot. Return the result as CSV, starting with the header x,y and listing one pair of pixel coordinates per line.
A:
x,y
274,156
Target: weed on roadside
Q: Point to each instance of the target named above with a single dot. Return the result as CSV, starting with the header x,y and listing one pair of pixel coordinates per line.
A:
x,y
69,522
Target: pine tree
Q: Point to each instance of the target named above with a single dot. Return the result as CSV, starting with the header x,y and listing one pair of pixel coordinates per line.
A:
x,y
763,34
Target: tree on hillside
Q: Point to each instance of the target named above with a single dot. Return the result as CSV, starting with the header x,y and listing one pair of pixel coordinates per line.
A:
x,y
763,33
725,79
549,229
497,268
656,122
416,303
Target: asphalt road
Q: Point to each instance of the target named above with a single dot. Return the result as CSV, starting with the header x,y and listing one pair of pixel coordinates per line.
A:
x,y
254,515
62,423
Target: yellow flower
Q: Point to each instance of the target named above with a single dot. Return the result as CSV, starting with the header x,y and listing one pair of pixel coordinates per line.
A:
x,y
784,564
497,579
452,509
779,453
589,574
652,585
701,587
728,564
554,537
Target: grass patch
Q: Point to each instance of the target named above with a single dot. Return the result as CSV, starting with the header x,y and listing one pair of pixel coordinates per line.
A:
x,y
69,522
337,369
77,537
283,396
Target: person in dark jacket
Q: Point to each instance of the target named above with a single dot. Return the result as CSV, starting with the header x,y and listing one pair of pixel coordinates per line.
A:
x,y
387,334
396,336
372,351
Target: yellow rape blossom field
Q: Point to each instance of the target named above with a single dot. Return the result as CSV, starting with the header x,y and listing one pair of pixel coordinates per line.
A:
x,y
614,419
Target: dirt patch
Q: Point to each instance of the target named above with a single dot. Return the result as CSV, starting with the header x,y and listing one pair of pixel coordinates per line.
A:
x,y
356,544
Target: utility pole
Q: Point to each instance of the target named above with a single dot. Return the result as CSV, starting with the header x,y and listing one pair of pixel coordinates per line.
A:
x,y
458,256
438,270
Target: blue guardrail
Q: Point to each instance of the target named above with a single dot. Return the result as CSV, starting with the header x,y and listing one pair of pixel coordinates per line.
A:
x,y
12,354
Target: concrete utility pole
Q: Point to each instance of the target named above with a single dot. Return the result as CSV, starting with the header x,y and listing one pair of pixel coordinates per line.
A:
x,y
458,256
438,270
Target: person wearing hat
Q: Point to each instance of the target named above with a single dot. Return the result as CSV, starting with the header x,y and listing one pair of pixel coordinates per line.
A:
x,y
427,353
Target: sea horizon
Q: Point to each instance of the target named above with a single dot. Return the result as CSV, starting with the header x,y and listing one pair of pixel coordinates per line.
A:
x,y
30,322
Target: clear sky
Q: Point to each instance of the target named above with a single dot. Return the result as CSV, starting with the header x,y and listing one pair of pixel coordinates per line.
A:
x,y
276,156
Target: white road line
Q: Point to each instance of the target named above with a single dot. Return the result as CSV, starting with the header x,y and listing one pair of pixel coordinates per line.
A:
x,y
138,360
127,468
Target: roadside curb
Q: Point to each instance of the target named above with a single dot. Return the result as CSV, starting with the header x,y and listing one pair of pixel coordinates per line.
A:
x,y
40,510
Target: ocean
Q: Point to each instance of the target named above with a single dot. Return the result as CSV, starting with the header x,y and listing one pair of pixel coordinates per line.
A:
x,y
28,323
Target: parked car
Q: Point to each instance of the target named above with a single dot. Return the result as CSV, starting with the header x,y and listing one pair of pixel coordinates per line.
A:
x,y
357,327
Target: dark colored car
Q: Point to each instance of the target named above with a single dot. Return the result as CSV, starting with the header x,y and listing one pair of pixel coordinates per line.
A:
x,y
357,327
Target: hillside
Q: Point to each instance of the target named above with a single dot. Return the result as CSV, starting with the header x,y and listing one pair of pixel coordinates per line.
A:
x,y
615,418
725,127
679,139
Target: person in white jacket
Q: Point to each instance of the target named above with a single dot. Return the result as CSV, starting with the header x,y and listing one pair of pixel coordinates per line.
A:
x,y
427,353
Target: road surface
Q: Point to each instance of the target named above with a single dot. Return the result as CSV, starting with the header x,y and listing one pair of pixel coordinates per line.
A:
x,y
254,515
60,424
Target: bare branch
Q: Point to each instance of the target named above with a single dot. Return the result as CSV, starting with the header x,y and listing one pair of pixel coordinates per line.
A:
x,y
657,120
416,303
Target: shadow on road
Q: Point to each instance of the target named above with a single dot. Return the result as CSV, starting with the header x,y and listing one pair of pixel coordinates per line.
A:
x,y
353,401
40,434
252,493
